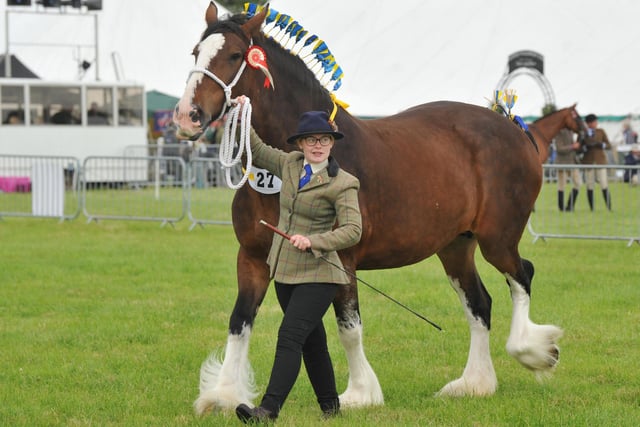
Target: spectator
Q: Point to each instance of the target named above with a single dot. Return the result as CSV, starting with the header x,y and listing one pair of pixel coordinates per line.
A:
x,y
13,118
632,158
594,145
65,117
95,116
566,149
629,136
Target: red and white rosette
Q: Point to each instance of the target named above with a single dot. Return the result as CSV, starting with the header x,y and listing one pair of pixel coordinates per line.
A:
x,y
257,59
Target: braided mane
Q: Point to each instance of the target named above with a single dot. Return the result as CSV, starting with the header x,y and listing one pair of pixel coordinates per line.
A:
x,y
295,40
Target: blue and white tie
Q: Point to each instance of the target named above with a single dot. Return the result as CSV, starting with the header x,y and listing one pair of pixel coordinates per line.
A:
x,y
306,177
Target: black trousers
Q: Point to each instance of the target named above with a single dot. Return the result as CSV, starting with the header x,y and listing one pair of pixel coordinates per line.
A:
x,y
302,336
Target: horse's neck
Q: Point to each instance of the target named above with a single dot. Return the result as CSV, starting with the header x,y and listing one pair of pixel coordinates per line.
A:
x,y
276,114
548,128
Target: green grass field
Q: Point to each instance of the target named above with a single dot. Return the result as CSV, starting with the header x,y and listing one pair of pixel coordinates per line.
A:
x,y
107,324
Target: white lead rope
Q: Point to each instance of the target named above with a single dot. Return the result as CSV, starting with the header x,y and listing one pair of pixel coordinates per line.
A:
x,y
238,113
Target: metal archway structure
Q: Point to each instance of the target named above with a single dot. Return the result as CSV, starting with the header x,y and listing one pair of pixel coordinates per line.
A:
x,y
529,63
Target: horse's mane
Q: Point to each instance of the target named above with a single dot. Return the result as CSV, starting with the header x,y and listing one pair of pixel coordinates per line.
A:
x,y
289,36
551,114
276,54
301,56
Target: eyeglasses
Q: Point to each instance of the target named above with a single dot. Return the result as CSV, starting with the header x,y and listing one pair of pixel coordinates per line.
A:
x,y
324,140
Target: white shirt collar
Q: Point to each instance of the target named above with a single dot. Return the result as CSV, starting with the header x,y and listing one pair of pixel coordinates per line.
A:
x,y
316,167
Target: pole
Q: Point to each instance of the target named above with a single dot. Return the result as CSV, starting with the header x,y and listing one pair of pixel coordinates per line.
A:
x,y
95,41
7,56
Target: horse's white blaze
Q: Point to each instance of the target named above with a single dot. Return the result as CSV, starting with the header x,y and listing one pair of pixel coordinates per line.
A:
x,y
479,377
363,388
534,346
225,385
207,50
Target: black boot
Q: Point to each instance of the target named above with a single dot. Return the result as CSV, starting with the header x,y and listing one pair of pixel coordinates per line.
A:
x,y
257,415
330,408
561,200
571,202
590,198
607,197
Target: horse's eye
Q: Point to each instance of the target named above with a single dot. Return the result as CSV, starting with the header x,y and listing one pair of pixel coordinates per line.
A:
x,y
236,56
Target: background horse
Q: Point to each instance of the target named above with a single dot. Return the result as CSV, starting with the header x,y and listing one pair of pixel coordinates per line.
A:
x,y
547,127
440,178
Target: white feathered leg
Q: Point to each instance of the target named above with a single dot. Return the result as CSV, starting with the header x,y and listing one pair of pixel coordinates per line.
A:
x,y
363,388
225,385
479,377
534,346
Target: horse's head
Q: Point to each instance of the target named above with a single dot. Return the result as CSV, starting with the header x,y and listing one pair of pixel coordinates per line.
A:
x,y
220,61
575,122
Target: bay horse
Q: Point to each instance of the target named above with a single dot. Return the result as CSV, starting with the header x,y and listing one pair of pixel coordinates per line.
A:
x,y
547,127
439,178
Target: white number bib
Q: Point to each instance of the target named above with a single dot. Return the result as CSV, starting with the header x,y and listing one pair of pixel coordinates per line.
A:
x,y
264,181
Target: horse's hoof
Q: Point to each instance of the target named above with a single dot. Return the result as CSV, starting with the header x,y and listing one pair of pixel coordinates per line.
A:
x,y
465,387
350,399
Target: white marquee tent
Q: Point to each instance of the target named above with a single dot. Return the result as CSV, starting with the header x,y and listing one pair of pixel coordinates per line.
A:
x,y
394,54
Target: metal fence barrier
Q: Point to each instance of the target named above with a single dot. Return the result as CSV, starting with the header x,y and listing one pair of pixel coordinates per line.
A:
x,y
39,186
622,222
134,188
168,189
205,178
207,183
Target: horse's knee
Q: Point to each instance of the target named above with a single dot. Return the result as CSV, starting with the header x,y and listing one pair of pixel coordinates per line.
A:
x,y
243,314
475,298
523,276
346,307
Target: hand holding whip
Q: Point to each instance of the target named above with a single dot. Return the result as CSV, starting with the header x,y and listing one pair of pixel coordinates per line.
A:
x,y
299,241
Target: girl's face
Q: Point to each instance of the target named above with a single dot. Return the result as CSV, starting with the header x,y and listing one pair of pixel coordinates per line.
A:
x,y
316,148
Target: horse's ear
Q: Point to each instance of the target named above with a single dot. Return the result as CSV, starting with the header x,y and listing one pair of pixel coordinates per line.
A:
x,y
574,113
211,16
253,25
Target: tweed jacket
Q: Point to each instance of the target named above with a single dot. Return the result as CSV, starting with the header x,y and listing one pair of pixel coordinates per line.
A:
x,y
326,210
595,146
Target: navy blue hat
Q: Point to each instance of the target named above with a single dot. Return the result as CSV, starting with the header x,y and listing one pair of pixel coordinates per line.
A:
x,y
591,118
314,122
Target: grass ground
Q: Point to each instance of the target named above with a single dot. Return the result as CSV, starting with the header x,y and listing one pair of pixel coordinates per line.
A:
x,y
106,325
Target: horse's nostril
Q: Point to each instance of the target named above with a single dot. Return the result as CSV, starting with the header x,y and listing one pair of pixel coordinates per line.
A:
x,y
194,115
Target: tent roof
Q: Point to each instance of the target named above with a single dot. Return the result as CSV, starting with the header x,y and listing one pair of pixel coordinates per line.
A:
x,y
18,69
393,55
157,101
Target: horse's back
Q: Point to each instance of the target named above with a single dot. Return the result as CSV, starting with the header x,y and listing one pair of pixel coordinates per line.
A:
x,y
459,116
445,134
452,162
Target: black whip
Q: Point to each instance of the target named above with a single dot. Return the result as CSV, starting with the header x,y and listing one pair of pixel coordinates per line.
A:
x,y
286,236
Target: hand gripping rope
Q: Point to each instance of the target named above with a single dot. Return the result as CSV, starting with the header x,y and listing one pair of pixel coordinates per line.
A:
x,y
238,113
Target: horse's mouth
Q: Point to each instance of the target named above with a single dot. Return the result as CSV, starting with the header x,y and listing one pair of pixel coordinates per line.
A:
x,y
192,123
191,134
